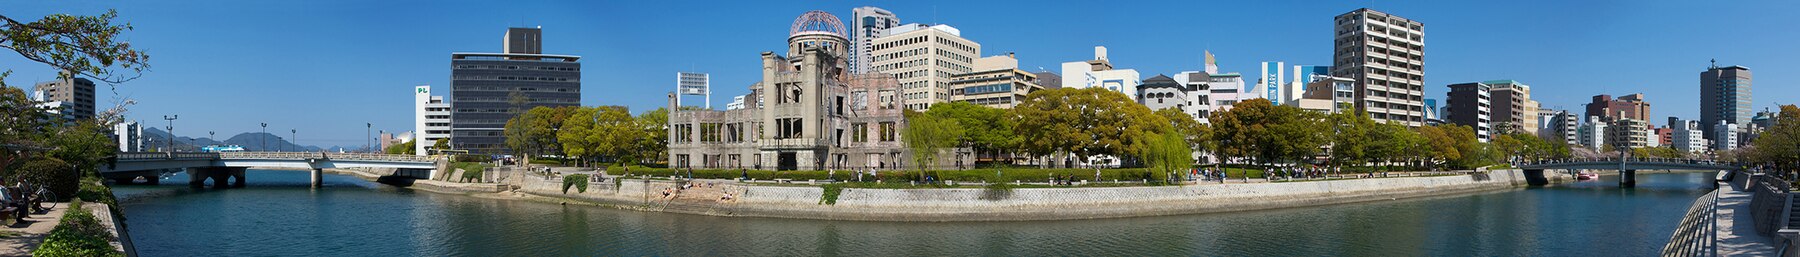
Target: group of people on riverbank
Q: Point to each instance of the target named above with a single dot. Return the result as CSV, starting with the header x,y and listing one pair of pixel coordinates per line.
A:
x,y
21,199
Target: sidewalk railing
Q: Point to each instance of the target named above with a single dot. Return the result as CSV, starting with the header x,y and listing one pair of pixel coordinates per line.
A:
x,y
1698,233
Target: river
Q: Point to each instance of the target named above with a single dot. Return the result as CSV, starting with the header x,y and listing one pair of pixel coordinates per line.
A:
x,y
278,215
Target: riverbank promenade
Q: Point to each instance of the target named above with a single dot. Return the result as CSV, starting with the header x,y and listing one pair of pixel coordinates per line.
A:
x,y
1736,232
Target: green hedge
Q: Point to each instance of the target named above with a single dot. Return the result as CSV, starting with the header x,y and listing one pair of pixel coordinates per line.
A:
x,y
974,175
92,190
80,234
579,181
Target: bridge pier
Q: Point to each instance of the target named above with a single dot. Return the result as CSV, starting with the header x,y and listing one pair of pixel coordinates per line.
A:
x,y
1536,177
1628,178
219,175
318,177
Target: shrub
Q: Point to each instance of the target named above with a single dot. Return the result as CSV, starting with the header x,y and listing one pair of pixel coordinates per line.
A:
x,y
997,191
51,173
93,191
579,181
831,193
80,234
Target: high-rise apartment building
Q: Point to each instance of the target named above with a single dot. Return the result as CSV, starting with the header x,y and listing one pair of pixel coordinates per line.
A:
x,y
1099,72
1513,106
1725,136
431,120
997,82
868,23
1724,96
1471,104
78,93
1385,54
487,89
130,136
923,58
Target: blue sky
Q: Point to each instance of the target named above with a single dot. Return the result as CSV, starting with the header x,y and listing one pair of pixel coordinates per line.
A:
x,y
323,67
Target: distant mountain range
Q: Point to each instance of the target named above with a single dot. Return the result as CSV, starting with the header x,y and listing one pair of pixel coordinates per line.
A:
x,y
253,141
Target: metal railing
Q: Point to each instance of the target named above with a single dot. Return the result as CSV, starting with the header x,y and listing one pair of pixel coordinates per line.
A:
x,y
1627,160
138,156
1698,233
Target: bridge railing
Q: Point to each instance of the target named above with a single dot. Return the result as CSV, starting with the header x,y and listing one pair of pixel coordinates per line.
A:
x,y
1627,160
128,156
379,157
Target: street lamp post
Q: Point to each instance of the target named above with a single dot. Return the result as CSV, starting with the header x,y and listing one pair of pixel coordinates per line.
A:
x,y
367,139
213,135
294,135
264,138
171,129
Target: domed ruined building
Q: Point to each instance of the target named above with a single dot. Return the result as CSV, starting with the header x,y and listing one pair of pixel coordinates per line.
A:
x,y
807,113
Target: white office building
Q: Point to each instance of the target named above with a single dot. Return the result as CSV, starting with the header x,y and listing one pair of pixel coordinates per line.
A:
x,y
1688,137
431,119
130,136
1725,136
923,58
1592,134
1099,72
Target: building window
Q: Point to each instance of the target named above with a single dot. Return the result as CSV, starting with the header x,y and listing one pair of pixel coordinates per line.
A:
x,y
888,132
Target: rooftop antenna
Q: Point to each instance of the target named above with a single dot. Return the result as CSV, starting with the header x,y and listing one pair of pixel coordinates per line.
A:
x,y
1715,63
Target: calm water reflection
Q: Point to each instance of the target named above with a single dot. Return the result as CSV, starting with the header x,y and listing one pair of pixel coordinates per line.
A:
x,y
278,215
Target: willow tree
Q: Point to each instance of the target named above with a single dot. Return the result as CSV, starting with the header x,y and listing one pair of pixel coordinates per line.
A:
x,y
927,135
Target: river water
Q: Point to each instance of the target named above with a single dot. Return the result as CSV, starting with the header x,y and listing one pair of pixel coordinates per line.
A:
x,y
277,215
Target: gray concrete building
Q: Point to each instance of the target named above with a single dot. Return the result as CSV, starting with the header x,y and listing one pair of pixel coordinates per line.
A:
x,y
487,89
996,82
807,113
1724,96
77,93
1161,92
1385,54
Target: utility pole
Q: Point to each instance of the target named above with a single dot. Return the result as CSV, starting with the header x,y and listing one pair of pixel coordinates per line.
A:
x,y
171,129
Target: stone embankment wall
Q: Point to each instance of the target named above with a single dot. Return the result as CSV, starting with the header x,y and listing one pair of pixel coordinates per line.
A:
x,y
975,204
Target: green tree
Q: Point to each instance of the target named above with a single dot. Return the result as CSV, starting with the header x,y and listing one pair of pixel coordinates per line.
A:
x,y
1268,133
985,129
1166,153
1779,144
88,46
1082,122
1351,140
408,148
533,132
441,144
598,134
653,142
927,134
84,145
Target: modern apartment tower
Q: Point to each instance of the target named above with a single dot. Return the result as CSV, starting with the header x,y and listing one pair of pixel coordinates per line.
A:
x,y
77,92
869,23
1471,104
1385,54
1724,96
487,89
924,58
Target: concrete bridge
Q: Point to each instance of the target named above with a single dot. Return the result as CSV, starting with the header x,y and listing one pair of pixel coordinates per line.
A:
x,y
1627,167
129,166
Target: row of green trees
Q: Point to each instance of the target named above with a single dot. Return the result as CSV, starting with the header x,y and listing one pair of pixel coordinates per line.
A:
x,y
38,146
1779,145
1091,122
596,134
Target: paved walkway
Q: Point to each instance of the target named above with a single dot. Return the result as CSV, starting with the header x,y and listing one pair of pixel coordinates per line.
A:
x,y
21,238
1736,231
